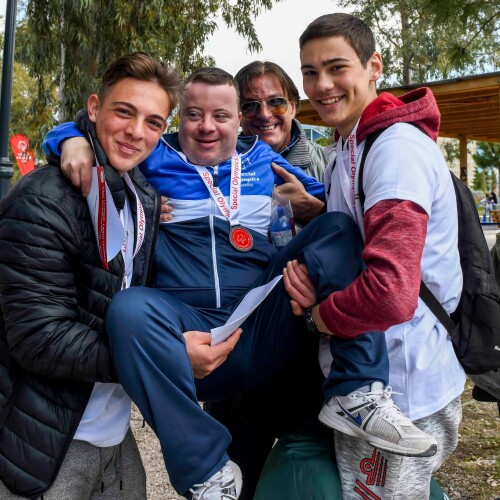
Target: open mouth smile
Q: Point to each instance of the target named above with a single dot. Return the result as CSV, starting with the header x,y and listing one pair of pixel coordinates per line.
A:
x,y
331,100
267,127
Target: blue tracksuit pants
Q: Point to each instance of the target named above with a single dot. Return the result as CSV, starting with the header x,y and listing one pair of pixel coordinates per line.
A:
x,y
146,328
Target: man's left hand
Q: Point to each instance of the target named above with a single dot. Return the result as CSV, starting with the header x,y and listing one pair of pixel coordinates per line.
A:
x,y
304,205
166,210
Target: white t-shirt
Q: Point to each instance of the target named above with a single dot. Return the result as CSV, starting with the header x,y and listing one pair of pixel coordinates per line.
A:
x,y
106,419
405,164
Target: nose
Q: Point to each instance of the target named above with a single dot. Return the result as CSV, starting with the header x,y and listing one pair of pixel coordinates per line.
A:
x,y
264,112
135,128
207,125
324,82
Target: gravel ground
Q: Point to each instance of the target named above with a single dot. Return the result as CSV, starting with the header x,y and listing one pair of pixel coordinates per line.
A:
x,y
472,473
158,484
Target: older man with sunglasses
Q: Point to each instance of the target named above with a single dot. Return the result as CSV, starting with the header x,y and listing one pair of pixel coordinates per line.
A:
x,y
269,102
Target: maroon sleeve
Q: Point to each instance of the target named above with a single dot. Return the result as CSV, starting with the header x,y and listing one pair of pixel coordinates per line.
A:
x,y
386,293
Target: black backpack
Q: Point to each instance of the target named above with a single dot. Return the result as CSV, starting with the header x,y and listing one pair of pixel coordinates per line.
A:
x,y
474,327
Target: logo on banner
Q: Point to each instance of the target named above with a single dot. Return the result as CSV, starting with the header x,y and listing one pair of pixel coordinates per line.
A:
x,y
23,153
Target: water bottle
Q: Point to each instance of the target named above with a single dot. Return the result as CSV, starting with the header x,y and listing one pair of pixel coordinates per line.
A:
x,y
281,227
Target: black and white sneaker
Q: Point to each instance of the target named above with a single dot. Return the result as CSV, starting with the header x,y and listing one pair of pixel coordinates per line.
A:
x,y
373,417
223,485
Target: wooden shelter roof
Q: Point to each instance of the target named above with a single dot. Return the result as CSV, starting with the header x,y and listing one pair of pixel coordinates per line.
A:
x,y
470,106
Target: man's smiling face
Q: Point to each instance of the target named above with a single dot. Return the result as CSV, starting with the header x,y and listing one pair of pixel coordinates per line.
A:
x,y
271,128
209,121
337,84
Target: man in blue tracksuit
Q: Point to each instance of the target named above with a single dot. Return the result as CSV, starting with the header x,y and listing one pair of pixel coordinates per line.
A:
x,y
203,266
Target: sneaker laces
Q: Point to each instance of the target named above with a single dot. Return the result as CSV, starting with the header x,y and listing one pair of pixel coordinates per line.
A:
x,y
198,490
388,408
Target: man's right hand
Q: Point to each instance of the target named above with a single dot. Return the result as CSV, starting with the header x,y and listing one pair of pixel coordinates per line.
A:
x,y
77,160
205,358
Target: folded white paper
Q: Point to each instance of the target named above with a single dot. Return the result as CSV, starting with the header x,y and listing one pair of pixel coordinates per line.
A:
x,y
249,303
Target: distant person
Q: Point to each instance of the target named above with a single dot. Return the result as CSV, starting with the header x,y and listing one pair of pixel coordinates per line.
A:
x,y
487,203
65,430
494,197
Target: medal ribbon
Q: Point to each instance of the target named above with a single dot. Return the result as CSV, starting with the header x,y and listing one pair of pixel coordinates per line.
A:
x,y
102,217
232,210
348,175
102,221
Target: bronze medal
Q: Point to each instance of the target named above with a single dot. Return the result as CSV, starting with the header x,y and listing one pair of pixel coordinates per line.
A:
x,y
240,238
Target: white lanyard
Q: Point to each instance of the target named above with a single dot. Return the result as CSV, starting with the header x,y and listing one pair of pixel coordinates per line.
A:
x,y
232,210
349,175
127,247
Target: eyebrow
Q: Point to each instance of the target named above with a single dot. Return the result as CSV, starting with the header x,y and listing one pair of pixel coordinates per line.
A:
x,y
327,62
131,106
252,99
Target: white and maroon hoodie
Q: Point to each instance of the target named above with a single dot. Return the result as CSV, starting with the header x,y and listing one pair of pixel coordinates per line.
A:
x,y
410,231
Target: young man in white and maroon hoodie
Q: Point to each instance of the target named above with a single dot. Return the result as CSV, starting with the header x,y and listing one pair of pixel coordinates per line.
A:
x,y
409,225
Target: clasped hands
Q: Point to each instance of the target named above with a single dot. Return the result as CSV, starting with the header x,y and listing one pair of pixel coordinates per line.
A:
x,y
302,293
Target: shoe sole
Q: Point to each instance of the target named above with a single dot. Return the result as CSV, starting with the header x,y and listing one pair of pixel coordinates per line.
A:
x,y
238,478
342,425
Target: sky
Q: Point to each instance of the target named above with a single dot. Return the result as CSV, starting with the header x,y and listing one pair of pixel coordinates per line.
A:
x,y
278,30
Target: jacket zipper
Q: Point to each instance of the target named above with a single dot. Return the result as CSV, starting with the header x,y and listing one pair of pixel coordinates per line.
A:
x,y
214,260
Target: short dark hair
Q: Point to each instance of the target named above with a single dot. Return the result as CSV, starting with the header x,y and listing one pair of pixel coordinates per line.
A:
x,y
212,76
143,67
355,31
256,69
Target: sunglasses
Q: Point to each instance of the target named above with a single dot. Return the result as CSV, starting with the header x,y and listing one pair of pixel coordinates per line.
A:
x,y
277,106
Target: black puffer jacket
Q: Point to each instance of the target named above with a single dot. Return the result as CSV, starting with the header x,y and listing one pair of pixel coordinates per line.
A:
x,y
54,294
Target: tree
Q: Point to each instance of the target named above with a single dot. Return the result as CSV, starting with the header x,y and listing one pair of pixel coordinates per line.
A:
x,y
67,43
422,40
487,158
22,120
477,181
451,151
492,179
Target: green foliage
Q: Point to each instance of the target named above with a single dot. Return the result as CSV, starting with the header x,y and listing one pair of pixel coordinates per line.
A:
x,y
66,44
451,150
323,141
482,182
487,155
423,40
487,159
492,179
476,182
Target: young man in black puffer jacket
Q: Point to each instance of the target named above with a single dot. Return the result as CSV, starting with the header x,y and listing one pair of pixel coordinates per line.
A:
x,y
64,420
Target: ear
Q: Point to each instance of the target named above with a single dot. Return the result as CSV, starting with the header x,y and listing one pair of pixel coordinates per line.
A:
x,y
93,107
293,108
240,116
376,66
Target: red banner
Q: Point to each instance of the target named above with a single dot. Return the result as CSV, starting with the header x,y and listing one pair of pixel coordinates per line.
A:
x,y
23,153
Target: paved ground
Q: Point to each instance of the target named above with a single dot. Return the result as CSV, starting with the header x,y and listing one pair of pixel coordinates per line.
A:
x,y
490,231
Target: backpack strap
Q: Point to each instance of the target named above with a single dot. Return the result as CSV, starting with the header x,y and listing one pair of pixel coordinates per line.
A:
x,y
425,294
437,309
